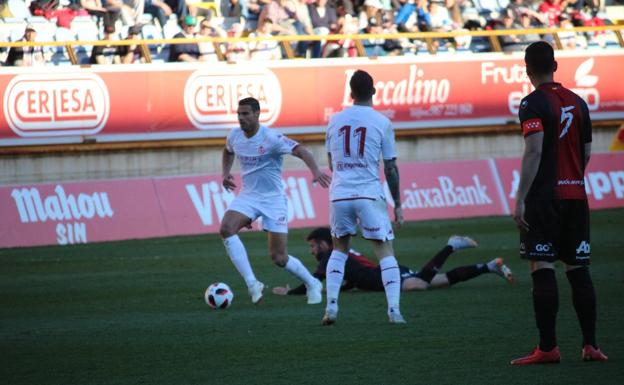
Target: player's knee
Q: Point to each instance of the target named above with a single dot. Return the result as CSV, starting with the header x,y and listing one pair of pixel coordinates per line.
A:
x,y
279,258
227,230
579,278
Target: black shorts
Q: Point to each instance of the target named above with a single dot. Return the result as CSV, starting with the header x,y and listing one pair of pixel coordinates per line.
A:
x,y
558,230
370,279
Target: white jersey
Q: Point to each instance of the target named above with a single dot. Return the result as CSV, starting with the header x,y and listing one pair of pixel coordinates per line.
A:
x,y
260,160
355,139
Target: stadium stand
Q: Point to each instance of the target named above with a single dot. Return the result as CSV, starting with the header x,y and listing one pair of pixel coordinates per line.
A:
x,y
65,21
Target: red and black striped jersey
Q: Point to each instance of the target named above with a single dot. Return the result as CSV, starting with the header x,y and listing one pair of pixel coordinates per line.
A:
x,y
564,119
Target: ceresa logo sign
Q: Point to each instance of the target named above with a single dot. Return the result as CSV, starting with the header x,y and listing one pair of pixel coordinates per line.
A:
x,y
56,104
211,96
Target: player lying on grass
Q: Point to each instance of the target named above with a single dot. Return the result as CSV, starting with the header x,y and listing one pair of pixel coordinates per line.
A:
x,y
361,273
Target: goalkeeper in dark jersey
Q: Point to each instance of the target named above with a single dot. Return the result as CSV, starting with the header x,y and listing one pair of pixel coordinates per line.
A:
x,y
360,273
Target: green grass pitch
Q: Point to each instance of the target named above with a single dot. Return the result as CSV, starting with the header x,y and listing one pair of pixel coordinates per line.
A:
x,y
133,312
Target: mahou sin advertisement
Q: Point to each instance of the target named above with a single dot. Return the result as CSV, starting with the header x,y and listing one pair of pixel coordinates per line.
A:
x,y
174,101
95,211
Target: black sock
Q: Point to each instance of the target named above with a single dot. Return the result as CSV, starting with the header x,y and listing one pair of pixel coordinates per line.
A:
x,y
435,264
584,300
546,306
464,273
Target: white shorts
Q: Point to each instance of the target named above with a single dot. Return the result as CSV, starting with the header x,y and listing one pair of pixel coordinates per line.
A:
x,y
272,211
370,215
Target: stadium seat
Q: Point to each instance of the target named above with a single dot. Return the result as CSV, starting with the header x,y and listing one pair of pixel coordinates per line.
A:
x,y
171,29
45,29
19,9
60,57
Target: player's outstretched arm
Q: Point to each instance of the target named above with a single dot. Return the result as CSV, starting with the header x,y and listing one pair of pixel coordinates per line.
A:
x,y
304,154
227,160
391,171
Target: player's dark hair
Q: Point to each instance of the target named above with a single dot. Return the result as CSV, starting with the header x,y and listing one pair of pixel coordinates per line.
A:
x,y
252,102
320,234
539,58
362,87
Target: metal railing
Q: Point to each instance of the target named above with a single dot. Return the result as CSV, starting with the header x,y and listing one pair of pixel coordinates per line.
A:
x,y
285,41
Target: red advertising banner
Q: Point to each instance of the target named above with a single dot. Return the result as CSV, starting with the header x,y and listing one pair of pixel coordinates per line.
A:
x,y
67,213
94,211
172,101
604,180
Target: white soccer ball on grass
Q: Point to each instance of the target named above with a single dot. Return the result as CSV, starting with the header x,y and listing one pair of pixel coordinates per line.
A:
x,y
219,296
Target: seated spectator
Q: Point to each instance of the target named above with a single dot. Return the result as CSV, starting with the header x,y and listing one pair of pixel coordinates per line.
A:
x,y
207,50
108,14
324,20
106,54
185,52
568,39
509,42
130,54
26,56
414,16
526,23
282,15
551,9
159,10
265,49
64,15
238,50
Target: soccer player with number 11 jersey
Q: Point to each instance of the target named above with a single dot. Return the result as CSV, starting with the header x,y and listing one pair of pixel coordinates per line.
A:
x,y
356,137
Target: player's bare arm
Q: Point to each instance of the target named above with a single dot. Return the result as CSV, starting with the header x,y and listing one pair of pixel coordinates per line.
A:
x,y
227,160
530,164
318,176
391,172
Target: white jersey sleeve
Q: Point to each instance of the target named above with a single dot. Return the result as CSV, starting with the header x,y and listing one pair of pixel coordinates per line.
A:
x,y
388,146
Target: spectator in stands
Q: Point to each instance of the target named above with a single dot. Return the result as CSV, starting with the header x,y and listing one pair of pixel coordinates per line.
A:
x,y
234,8
238,50
413,16
26,56
324,20
159,10
207,50
526,23
517,8
64,12
347,25
108,14
132,10
552,9
106,54
282,15
509,42
568,39
185,52
130,54
254,8
265,49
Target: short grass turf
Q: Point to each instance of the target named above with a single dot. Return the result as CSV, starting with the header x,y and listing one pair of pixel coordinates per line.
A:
x,y
132,312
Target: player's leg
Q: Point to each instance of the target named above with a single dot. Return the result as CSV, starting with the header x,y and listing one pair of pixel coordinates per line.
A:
x,y
390,276
538,246
576,253
231,223
279,254
343,225
376,227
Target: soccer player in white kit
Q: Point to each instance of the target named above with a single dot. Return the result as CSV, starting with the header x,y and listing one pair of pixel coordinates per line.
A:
x,y
260,150
356,137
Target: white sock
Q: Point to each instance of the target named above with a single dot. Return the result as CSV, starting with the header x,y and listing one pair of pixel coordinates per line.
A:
x,y
296,268
391,278
334,275
238,255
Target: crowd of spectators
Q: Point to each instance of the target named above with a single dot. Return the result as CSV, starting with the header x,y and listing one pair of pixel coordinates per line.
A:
x,y
220,18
